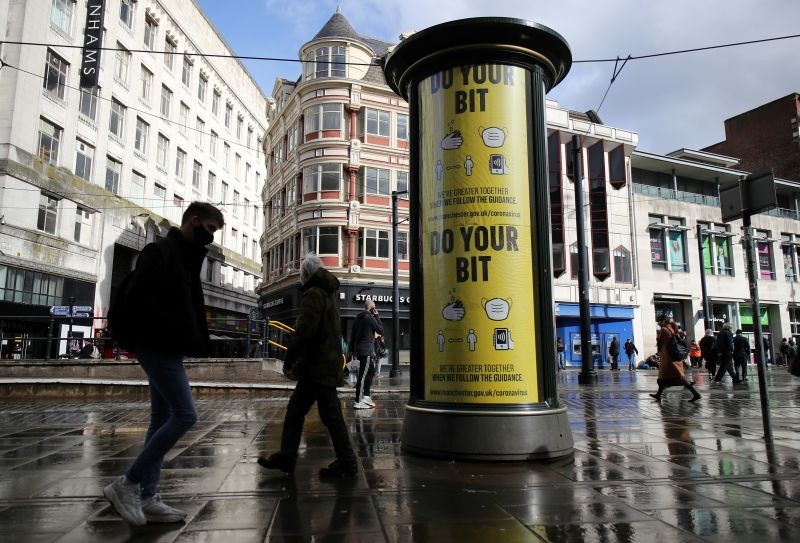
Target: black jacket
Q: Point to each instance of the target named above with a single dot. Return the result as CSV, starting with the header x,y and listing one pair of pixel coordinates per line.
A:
x,y
724,342
707,346
613,349
167,297
362,336
741,346
315,351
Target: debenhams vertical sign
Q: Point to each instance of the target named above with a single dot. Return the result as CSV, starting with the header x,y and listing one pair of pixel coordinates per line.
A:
x,y
92,42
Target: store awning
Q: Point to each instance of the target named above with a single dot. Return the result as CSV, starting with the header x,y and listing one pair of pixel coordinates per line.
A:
x,y
672,296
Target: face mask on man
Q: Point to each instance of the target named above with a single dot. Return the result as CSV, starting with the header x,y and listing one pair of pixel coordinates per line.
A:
x,y
202,236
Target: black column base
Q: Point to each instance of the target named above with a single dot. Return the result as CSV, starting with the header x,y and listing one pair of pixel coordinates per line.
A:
x,y
587,378
395,372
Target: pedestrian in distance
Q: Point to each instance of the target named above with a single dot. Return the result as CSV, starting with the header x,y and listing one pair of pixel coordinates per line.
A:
x,y
314,358
613,353
724,349
708,353
783,349
671,368
631,350
561,353
741,355
695,354
159,313
362,346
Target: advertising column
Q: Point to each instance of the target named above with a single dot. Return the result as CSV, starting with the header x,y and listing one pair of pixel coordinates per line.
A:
x,y
482,336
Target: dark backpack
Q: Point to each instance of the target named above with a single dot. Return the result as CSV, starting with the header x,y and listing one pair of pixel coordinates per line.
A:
x,y
677,348
380,347
122,315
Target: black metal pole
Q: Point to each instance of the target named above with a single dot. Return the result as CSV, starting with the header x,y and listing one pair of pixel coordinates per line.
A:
x,y
752,279
395,371
703,289
265,336
69,334
588,375
49,347
249,341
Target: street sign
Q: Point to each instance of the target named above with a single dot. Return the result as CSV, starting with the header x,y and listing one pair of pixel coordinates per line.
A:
x,y
752,194
81,315
80,311
730,201
60,310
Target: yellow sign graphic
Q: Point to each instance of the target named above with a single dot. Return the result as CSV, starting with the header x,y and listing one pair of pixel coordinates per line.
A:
x,y
476,236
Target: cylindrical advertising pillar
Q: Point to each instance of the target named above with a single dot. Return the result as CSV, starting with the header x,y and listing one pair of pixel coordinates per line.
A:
x,y
483,329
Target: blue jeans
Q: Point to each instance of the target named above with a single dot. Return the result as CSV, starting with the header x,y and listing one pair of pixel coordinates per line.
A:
x,y
172,413
632,361
560,359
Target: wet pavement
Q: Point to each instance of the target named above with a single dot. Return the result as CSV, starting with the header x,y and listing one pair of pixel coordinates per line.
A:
x,y
642,471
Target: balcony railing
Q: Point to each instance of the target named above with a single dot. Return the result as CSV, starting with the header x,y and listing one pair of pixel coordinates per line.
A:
x,y
672,194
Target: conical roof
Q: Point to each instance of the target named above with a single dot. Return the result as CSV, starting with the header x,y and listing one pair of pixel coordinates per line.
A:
x,y
337,27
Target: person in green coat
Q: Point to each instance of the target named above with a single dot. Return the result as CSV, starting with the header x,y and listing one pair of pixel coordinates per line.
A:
x,y
314,358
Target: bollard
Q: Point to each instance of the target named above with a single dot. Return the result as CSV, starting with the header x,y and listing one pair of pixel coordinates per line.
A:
x,y
483,362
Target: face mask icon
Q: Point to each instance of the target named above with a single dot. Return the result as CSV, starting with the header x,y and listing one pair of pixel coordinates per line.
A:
x,y
493,136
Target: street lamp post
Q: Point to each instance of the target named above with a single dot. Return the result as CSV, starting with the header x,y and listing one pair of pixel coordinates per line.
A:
x,y
395,290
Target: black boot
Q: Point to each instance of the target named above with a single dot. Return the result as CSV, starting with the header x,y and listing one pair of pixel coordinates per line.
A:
x,y
340,468
277,461
695,394
657,395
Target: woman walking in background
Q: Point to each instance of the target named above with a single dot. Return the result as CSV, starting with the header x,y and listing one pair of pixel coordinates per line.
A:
x,y
670,369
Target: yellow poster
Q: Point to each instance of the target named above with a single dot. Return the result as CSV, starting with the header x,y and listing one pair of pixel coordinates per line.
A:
x,y
476,236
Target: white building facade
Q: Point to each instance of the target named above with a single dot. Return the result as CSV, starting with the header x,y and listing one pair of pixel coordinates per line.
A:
x,y
88,176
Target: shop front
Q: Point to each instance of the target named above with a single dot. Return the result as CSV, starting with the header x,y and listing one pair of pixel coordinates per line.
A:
x,y
607,323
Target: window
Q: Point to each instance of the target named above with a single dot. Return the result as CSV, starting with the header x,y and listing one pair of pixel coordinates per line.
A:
x,y
717,250
376,181
159,196
116,121
215,103
324,117
55,75
209,270
247,170
49,141
142,133
121,64
113,171
162,156
246,209
238,166
166,101
145,84
323,240
84,156
249,136
244,244
228,115
402,185
574,266
234,237
137,188
200,129
766,265
197,171
239,123
149,32
322,177
402,245
170,48
126,13
377,122
794,320
226,155
623,269
598,213
213,144
668,243
202,86
374,243
402,127
183,118
330,61
616,167
556,204
291,193
789,262
61,15
48,213
83,222
212,184
88,103
177,208
235,203
180,164
186,72
255,217
224,195
255,250
30,287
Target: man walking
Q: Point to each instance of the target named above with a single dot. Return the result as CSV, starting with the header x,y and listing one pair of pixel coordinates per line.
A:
x,y
314,357
707,351
362,345
166,303
632,352
741,355
613,353
560,354
724,349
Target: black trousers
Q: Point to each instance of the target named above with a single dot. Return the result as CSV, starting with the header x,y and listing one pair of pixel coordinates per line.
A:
x,y
725,364
740,366
366,373
330,411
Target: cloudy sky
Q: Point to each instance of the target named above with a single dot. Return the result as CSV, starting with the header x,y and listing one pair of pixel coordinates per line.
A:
x,y
671,102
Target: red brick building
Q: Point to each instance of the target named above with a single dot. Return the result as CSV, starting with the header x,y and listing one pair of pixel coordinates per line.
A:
x,y
765,137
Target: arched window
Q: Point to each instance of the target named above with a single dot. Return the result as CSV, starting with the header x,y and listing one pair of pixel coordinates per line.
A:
x,y
573,261
623,270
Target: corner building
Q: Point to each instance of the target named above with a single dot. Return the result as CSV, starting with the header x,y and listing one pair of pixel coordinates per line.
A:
x,y
336,148
89,176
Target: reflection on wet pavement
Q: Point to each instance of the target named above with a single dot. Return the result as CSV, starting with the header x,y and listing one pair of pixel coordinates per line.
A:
x,y
641,472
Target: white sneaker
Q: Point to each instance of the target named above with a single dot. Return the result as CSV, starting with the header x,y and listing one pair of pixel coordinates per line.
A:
x,y
157,511
361,405
367,400
126,499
